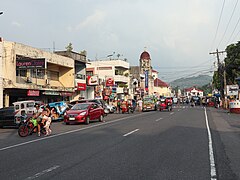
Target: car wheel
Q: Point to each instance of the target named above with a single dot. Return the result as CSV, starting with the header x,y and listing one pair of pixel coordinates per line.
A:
x,y
101,118
87,120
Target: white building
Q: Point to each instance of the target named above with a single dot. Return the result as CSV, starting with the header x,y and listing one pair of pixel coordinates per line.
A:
x,y
193,91
111,78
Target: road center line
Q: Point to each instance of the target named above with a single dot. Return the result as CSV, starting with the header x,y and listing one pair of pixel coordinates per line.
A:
x,y
43,172
131,132
211,155
159,119
68,132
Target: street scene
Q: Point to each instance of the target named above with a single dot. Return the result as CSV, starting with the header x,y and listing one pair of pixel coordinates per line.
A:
x,y
120,90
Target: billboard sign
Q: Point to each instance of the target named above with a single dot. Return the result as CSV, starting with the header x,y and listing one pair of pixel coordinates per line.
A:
x,y
92,80
30,63
146,80
109,81
232,90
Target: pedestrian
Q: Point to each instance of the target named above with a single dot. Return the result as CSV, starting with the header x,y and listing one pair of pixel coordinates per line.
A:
x,y
118,106
140,105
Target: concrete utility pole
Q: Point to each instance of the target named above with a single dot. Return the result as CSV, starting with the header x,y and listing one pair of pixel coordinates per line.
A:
x,y
221,76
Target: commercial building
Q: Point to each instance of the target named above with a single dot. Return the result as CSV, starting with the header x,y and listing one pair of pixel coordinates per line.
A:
x,y
30,73
108,79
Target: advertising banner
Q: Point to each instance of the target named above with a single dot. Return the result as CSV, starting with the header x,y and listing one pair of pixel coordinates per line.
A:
x,y
232,90
33,93
81,87
146,80
109,81
92,80
30,63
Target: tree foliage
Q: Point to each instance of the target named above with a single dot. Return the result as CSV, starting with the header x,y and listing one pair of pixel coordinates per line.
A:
x,y
69,47
232,63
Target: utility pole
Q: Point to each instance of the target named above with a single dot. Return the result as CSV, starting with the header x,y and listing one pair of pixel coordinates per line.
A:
x,y
221,75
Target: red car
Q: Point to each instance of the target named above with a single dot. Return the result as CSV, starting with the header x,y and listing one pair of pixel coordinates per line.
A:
x,y
84,112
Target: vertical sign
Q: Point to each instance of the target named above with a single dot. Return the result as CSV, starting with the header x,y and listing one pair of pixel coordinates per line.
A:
x,y
146,80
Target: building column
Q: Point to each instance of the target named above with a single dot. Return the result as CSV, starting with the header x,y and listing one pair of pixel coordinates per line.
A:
x,y
6,99
1,73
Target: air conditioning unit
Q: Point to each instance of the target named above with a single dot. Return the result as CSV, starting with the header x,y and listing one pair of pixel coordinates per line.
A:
x,y
47,82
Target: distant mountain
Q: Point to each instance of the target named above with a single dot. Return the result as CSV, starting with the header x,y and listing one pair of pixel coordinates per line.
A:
x,y
198,81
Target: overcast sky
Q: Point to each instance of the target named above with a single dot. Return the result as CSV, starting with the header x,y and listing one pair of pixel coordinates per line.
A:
x,y
178,34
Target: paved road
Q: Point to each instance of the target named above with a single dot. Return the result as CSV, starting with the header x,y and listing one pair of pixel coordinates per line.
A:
x,y
150,145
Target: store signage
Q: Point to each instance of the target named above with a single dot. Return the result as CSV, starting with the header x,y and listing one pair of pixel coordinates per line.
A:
x,y
51,93
81,86
92,80
146,80
30,63
109,81
65,94
33,93
232,90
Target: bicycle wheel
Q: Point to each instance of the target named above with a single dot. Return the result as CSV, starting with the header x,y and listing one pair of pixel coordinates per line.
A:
x,y
23,131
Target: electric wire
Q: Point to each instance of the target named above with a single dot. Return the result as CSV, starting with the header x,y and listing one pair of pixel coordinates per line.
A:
x,y
228,23
233,30
218,24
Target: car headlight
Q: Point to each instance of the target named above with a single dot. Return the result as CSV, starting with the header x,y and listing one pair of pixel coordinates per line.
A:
x,y
83,113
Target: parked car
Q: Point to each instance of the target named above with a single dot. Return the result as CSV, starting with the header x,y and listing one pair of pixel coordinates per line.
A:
x,y
98,101
84,113
7,117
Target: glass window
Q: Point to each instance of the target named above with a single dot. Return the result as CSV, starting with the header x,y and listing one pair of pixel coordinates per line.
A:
x,y
21,72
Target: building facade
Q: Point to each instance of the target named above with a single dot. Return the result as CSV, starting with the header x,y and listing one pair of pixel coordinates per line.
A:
x,y
108,79
30,73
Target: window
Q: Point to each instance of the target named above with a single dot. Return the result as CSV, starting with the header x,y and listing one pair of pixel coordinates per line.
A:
x,y
53,75
80,76
22,72
37,73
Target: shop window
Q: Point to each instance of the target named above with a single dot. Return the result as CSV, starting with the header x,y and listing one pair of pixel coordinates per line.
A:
x,y
21,72
37,73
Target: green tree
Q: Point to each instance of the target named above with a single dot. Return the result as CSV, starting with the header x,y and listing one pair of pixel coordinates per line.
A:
x,y
69,47
232,63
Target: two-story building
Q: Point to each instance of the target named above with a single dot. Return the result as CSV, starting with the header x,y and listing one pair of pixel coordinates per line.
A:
x,y
108,78
30,73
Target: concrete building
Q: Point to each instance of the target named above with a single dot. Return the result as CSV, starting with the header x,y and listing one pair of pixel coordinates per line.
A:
x,y
108,79
79,74
30,73
193,91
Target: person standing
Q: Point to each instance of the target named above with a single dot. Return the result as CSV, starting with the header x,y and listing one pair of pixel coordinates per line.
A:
x,y
140,105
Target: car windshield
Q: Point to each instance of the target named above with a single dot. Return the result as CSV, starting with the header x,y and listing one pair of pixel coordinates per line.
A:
x,y
80,106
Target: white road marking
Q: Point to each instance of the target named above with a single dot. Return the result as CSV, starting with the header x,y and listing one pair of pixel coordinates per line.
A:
x,y
68,132
171,113
211,155
158,119
178,110
43,172
131,132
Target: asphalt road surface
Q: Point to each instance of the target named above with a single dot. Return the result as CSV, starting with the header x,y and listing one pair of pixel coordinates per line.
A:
x,y
188,143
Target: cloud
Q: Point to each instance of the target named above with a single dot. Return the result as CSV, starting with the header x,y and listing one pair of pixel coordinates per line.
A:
x,y
96,18
17,24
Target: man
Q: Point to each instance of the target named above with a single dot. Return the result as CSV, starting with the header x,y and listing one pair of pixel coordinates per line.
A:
x,y
38,115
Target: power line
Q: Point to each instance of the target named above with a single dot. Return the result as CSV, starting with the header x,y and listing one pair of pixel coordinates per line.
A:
x,y
233,30
218,24
228,23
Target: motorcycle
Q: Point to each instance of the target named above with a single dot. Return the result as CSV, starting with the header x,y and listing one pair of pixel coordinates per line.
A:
x,y
28,127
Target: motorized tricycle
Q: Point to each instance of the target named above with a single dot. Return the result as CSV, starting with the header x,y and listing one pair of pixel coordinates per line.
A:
x,y
165,103
126,106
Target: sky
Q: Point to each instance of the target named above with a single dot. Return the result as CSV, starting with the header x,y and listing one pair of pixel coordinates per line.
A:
x,y
178,34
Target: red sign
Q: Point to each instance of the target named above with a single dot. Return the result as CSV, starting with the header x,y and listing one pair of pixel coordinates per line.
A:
x,y
32,93
81,87
109,81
